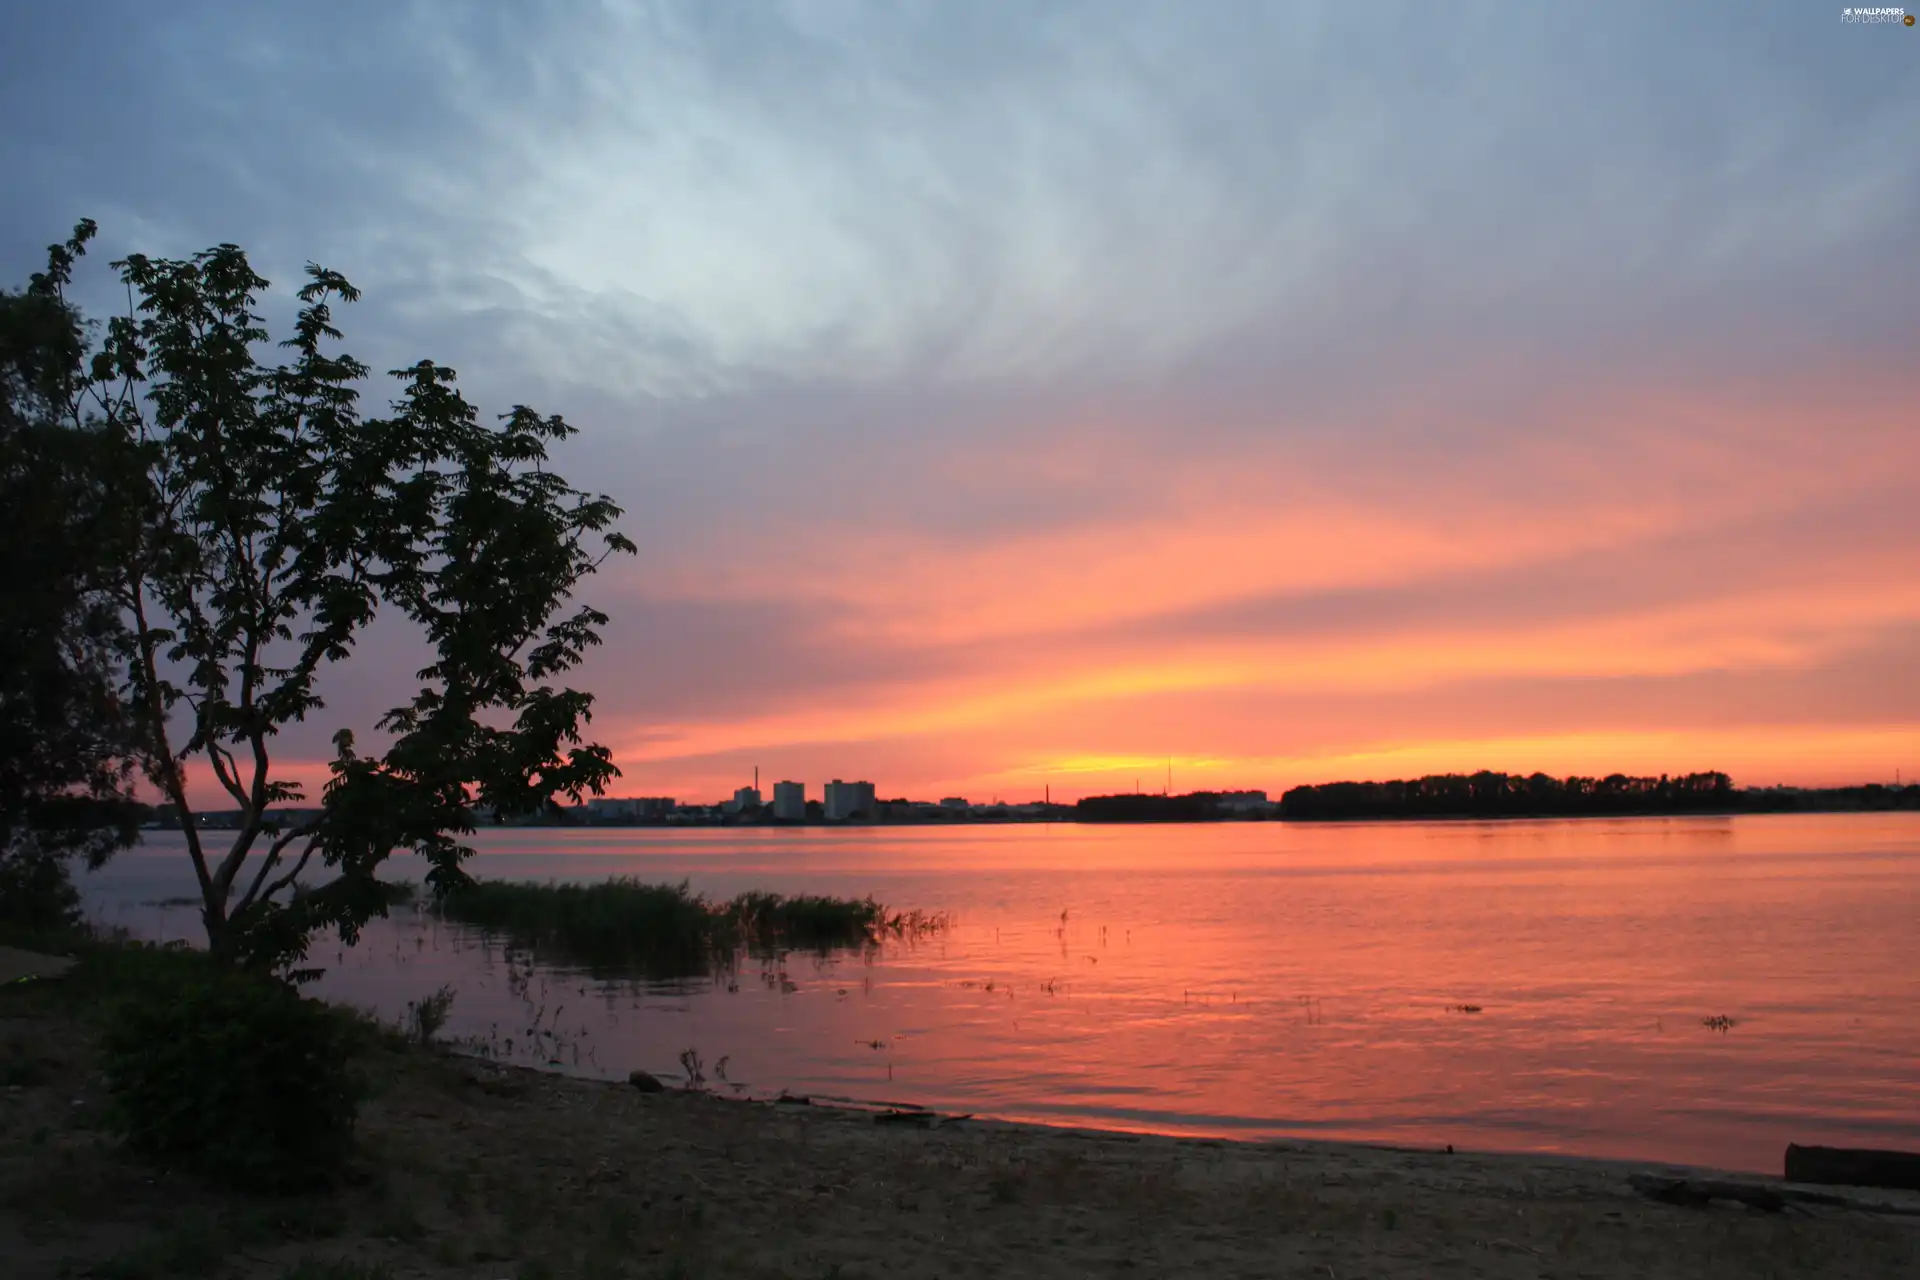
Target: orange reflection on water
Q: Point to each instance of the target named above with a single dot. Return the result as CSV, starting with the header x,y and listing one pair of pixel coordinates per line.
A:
x,y
1525,986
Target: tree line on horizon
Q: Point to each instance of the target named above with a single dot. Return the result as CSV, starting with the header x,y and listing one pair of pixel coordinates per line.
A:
x,y
1490,794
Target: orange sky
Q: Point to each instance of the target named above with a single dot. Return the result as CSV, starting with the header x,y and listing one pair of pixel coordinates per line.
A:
x,y
1003,401
1670,579
1673,578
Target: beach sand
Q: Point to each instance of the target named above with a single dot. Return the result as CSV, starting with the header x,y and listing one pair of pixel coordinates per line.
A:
x,y
488,1172
30,966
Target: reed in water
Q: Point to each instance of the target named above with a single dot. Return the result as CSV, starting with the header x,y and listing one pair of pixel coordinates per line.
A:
x,y
669,927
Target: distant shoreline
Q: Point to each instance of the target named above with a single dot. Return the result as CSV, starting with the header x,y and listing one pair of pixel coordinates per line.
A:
x,y
221,821
1478,797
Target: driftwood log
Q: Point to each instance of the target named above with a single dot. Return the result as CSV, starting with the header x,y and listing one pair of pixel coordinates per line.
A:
x,y
1853,1167
917,1118
1698,1193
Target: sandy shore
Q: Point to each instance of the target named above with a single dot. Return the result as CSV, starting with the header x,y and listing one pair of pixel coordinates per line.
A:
x,y
487,1172
29,966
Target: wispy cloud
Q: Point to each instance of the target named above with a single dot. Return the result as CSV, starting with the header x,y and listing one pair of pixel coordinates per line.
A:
x,y
1292,389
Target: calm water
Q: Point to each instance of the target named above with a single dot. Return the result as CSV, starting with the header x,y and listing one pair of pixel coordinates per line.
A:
x,y
1254,980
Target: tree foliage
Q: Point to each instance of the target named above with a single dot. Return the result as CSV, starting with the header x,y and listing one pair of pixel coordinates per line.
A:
x,y
65,742
270,523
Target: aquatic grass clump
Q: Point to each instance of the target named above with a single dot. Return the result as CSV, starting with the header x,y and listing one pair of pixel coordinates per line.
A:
x,y
804,922
668,928
620,921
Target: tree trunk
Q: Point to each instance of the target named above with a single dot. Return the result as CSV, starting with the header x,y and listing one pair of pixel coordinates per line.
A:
x,y
219,935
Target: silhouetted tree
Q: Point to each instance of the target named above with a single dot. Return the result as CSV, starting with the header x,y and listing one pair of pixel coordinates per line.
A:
x,y
1196,807
1491,795
66,746
271,523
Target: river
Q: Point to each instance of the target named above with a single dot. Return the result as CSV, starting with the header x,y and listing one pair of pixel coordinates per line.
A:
x,y
1695,990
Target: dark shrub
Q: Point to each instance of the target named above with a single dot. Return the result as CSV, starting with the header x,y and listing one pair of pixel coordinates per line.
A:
x,y
36,892
235,1078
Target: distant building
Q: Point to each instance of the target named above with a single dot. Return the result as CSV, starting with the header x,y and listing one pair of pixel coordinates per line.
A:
x,y
1243,801
955,802
904,810
634,809
845,799
743,799
789,801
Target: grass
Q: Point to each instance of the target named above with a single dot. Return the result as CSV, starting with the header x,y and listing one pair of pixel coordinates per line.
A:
x,y
21,1071
114,971
397,1221
426,1016
327,1269
668,929
194,1249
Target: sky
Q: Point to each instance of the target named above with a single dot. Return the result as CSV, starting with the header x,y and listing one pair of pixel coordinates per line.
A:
x,y
1014,398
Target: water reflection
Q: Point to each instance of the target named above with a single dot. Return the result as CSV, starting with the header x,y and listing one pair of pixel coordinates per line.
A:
x,y
1537,986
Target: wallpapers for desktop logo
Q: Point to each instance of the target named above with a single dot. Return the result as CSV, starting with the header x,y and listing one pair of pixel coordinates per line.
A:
x,y
1900,16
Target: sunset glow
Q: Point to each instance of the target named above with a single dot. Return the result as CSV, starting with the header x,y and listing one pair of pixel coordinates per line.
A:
x,y
1047,408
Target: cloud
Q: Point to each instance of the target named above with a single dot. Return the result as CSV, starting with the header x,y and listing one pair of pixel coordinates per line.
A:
x,y
985,382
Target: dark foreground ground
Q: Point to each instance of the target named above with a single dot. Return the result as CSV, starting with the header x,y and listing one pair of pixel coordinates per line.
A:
x,y
471,1170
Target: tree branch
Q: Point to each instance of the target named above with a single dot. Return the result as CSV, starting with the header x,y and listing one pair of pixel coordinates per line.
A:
x,y
268,863
287,879
253,803
171,776
223,770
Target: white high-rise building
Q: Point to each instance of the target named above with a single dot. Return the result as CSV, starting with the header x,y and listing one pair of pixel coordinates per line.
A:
x,y
844,799
789,801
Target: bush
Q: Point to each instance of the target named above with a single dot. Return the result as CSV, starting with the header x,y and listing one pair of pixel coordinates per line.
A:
x,y
36,891
235,1078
